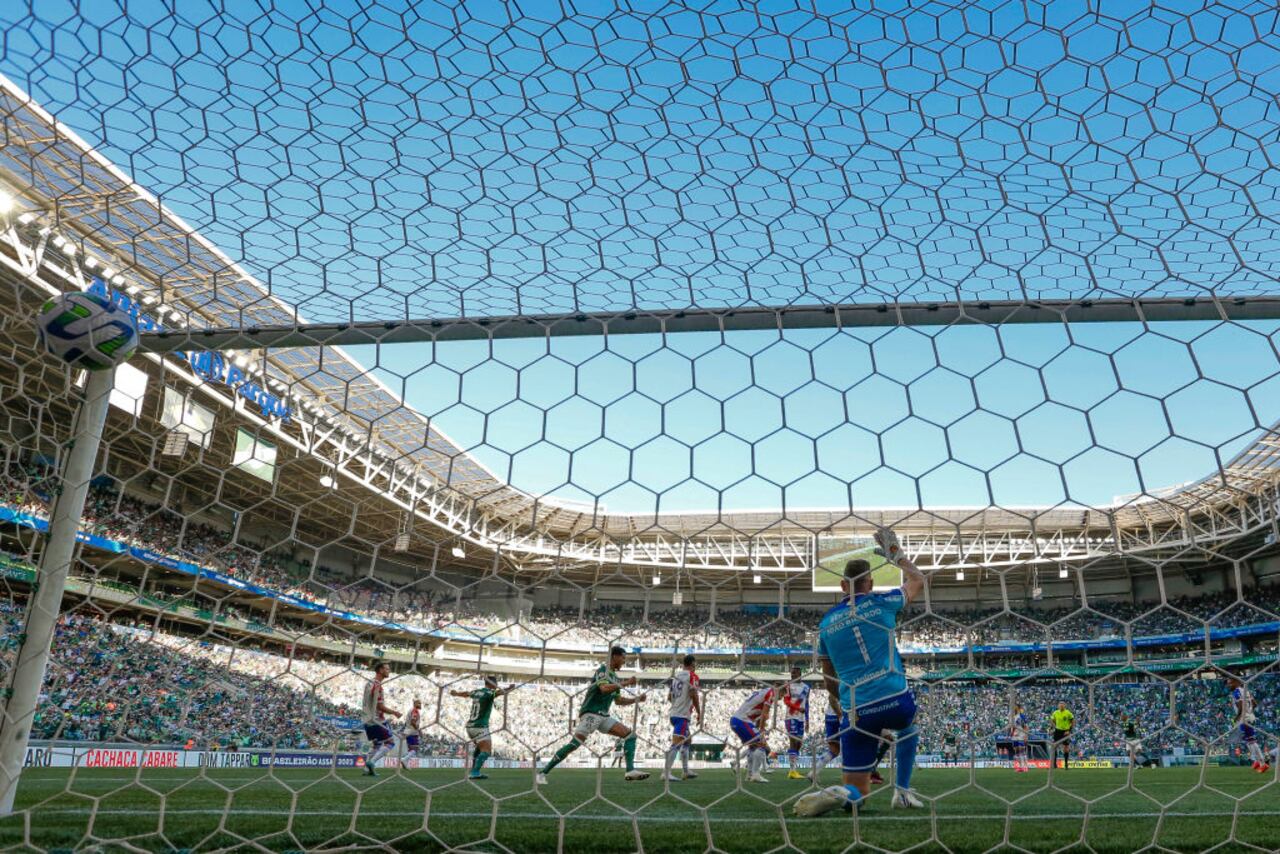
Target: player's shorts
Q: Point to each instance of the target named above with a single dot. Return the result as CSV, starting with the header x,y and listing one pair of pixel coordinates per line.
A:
x,y
1134,744
831,724
478,733
860,743
378,733
746,731
1062,735
589,722
680,727
1019,737
1247,732
411,742
795,727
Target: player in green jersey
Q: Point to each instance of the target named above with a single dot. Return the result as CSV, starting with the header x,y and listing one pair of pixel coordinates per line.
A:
x,y
482,700
1132,741
593,716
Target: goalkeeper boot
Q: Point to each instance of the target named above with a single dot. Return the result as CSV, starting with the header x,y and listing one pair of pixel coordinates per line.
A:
x,y
635,774
905,799
821,802
477,776
540,780
794,774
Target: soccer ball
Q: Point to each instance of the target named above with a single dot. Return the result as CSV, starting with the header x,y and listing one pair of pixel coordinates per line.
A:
x,y
87,331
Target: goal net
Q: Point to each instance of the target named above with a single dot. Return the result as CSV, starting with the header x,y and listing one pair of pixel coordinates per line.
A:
x,y
479,340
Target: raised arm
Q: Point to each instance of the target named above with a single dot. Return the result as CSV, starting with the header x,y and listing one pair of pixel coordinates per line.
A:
x,y
611,687
459,693
630,701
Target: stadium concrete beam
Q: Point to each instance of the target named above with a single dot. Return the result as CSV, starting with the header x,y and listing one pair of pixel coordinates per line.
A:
x,y
757,318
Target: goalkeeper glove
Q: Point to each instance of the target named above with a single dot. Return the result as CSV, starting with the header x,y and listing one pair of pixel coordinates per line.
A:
x,y
888,546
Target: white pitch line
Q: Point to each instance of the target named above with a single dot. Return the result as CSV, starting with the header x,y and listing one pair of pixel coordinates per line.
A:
x,y
666,818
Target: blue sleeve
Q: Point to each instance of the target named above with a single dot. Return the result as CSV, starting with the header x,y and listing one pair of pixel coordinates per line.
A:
x,y
893,600
822,645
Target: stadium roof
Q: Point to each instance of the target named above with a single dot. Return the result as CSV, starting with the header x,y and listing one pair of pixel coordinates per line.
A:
x,y
190,283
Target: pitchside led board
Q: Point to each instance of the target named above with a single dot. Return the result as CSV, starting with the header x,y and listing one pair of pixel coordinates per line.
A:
x,y
835,551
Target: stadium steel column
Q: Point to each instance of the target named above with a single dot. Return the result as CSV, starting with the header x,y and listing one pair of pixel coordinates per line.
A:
x,y
45,604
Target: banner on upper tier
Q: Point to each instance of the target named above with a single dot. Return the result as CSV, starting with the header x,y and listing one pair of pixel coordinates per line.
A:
x,y
209,366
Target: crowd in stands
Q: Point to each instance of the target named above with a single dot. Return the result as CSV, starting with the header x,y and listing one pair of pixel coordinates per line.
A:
x,y
122,517
167,689
111,681
107,681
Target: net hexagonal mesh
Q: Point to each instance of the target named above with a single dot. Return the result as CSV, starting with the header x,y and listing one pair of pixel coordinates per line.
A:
x,y
480,339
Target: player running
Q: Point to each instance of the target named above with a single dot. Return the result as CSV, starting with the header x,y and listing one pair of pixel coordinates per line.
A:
x,y
413,729
749,723
685,699
593,716
374,718
482,700
1018,740
1242,709
861,665
795,698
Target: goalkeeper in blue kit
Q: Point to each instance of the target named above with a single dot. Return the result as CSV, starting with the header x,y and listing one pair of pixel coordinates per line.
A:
x,y
864,673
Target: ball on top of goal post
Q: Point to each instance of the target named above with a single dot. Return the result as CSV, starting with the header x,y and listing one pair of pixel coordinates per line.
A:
x,y
87,330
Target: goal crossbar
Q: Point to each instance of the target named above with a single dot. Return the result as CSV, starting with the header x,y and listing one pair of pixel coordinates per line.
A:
x,y
756,318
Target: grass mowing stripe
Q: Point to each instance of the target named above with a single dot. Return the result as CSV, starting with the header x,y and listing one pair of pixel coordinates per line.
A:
x,y
912,817
158,810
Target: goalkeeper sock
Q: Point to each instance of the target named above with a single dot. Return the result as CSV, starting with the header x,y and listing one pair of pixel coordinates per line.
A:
x,y
905,755
479,761
629,751
560,755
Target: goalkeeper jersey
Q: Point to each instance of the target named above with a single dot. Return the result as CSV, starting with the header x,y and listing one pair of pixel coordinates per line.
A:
x,y
856,636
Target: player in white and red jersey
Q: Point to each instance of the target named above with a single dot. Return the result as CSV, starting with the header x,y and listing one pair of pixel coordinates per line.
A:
x,y
749,724
795,699
374,718
413,729
1019,737
1243,714
685,701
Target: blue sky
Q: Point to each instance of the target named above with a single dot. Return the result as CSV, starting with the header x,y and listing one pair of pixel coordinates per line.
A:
x,y
375,161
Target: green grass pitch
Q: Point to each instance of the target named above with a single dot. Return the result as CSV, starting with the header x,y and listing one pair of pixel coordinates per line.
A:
x,y
590,811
